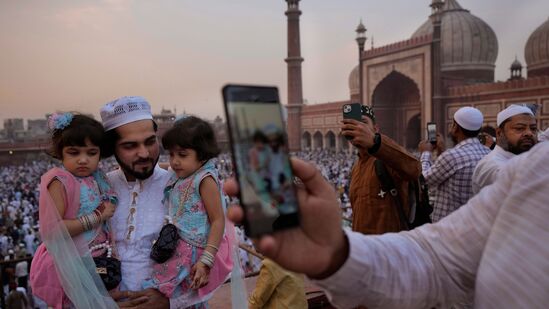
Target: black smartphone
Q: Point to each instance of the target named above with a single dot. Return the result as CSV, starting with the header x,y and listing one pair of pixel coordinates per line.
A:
x,y
260,154
482,138
352,111
432,132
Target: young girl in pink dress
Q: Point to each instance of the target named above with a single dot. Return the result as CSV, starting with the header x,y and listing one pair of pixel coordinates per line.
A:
x,y
202,259
75,202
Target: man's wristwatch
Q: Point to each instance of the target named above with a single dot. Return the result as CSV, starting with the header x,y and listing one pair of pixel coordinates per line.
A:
x,y
377,144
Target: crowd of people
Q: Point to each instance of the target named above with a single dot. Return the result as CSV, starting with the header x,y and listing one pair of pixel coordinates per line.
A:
x,y
19,192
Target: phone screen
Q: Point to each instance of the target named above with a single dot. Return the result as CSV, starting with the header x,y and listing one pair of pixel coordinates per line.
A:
x,y
432,132
260,152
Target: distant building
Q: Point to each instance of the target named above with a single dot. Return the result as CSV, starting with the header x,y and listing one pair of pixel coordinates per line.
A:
x,y
166,119
221,133
13,127
37,127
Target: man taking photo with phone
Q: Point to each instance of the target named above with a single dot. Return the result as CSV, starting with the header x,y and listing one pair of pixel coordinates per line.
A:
x,y
375,209
451,174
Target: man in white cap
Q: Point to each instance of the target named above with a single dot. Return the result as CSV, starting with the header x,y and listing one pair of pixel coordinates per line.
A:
x,y
516,133
450,176
139,184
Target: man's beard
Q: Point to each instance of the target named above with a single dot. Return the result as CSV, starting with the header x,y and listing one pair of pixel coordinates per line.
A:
x,y
520,146
138,175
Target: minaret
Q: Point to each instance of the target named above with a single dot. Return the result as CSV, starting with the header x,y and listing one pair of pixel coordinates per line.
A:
x,y
516,70
436,63
295,87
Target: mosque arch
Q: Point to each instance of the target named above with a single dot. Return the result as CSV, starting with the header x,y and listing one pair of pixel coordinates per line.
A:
x,y
318,140
306,140
413,132
330,140
396,100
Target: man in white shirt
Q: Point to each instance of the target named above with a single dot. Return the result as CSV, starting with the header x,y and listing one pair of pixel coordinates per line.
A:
x,y
494,249
22,273
516,133
139,184
3,241
29,241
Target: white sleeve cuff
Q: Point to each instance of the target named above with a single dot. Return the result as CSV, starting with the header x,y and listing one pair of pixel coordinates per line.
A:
x,y
344,286
426,156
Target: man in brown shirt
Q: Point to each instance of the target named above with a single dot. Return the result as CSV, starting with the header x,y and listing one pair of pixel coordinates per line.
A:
x,y
374,211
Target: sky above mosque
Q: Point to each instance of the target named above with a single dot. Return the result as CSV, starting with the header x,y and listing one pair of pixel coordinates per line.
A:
x,y
69,55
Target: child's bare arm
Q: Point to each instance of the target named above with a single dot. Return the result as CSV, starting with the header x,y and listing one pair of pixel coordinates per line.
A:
x,y
212,202
211,198
74,226
58,194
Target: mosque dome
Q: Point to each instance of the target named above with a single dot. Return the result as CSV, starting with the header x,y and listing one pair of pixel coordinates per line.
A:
x,y
354,87
467,42
536,50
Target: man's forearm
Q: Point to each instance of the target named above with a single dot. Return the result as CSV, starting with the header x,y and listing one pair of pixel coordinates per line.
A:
x,y
432,266
389,271
397,158
426,161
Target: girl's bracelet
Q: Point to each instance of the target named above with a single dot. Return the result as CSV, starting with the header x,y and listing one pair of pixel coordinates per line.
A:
x,y
213,247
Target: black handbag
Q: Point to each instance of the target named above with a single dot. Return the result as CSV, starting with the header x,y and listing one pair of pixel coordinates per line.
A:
x,y
168,239
165,245
108,268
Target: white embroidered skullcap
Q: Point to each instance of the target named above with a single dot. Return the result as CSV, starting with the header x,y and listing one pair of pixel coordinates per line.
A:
x,y
123,111
469,118
512,110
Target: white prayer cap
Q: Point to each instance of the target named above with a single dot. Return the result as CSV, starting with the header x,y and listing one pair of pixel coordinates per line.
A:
x,y
469,118
512,110
123,111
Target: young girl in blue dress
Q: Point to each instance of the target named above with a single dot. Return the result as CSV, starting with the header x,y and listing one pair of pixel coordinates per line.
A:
x,y
193,196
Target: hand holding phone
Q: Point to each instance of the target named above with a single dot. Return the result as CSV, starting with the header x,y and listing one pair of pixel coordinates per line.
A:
x,y
352,111
261,160
319,232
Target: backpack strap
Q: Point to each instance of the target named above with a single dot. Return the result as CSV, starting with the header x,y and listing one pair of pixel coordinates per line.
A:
x,y
414,201
388,185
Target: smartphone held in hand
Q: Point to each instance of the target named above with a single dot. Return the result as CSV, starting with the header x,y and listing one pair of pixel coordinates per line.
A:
x,y
432,132
260,155
352,111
